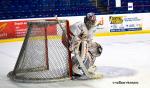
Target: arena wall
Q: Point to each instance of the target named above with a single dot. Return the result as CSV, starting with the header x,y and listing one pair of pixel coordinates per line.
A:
x,y
108,25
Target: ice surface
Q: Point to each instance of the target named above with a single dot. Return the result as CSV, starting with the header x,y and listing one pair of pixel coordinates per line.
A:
x,y
124,58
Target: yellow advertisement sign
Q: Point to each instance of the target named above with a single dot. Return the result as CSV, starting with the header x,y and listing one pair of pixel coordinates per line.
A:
x,y
116,19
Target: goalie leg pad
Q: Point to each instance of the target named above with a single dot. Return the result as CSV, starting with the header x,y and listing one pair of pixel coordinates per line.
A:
x,y
77,70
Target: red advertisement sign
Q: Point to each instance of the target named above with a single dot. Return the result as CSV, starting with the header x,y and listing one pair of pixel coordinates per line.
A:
x,y
17,29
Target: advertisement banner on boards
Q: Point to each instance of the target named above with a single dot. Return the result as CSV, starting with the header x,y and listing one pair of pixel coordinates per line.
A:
x,y
17,29
125,23
12,29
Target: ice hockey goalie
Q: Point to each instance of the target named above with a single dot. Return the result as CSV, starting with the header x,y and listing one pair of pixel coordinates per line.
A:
x,y
84,50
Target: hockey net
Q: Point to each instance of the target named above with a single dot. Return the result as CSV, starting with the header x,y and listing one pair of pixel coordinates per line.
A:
x,y
44,55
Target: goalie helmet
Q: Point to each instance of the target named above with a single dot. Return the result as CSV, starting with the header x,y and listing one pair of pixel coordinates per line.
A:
x,y
90,20
91,16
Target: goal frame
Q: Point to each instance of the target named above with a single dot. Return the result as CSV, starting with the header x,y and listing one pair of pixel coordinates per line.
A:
x,y
12,74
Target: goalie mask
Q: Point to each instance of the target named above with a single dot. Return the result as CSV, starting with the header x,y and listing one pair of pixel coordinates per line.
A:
x,y
90,20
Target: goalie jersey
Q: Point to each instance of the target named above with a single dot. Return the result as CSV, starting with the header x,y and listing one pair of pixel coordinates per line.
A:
x,y
79,28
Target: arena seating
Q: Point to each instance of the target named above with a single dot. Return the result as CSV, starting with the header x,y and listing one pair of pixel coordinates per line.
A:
x,y
18,9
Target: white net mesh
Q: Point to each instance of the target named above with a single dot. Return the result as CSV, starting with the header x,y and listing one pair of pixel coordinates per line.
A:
x,y
44,55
